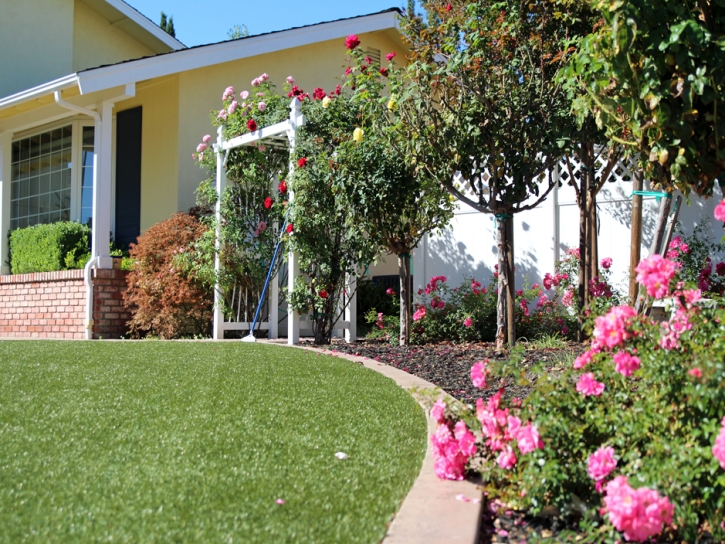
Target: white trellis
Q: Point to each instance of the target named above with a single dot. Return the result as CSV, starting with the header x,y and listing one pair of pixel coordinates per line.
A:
x,y
278,135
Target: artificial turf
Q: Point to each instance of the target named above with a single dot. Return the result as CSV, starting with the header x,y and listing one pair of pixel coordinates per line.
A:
x,y
196,441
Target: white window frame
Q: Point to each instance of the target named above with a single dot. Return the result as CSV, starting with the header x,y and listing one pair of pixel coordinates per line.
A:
x,y
77,123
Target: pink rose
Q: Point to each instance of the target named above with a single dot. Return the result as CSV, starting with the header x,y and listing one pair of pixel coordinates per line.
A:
x,y
468,322
655,273
261,106
352,41
419,313
507,458
201,147
244,95
228,93
206,139
478,374
625,363
390,56
720,211
528,439
601,463
290,80
588,385
606,262
718,450
438,411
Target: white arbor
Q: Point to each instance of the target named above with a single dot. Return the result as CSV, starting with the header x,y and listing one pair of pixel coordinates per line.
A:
x,y
278,135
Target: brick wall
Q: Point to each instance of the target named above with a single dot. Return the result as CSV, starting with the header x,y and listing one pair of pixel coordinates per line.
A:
x,y
53,304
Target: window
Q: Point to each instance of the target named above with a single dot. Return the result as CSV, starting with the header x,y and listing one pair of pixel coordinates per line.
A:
x,y
44,179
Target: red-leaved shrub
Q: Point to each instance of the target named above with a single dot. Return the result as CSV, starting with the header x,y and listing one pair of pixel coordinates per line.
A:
x,y
166,301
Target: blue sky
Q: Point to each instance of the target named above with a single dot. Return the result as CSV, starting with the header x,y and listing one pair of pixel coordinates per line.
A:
x,y
209,21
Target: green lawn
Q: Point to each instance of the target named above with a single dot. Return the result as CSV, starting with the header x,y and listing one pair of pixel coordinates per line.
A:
x,y
195,442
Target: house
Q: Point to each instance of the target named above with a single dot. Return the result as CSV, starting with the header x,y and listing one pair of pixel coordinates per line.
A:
x,y
100,110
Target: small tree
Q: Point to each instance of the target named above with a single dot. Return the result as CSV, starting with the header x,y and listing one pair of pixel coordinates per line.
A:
x,y
393,201
238,31
483,101
323,229
167,25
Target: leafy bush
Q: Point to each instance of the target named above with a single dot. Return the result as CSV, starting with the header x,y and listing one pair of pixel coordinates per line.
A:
x,y
168,300
697,257
639,419
49,247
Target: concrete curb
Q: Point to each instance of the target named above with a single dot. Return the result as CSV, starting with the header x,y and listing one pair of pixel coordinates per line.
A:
x,y
430,513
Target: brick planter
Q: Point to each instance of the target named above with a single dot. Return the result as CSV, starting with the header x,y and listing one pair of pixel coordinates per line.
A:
x,y
53,305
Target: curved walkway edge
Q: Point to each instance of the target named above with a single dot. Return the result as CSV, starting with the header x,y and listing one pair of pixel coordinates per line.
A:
x,y
431,513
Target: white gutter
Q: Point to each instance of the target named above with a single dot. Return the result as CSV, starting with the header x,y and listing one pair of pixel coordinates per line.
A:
x,y
94,260
65,82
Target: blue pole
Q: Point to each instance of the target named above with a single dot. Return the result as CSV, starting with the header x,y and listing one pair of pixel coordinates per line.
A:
x,y
269,275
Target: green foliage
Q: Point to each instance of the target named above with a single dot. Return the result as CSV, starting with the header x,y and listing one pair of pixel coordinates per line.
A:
x,y
652,75
252,207
699,263
49,247
393,200
167,24
331,244
482,100
229,427
237,31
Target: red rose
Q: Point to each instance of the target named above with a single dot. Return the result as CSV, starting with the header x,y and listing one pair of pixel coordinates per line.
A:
x,y
290,228
352,42
337,90
302,162
384,72
323,294
318,93
448,7
390,56
252,125
282,186
268,202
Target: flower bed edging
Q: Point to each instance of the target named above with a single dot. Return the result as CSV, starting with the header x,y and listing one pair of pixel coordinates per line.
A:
x,y
431,513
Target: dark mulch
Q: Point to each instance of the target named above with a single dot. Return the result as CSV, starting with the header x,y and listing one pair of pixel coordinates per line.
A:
x,y
448,365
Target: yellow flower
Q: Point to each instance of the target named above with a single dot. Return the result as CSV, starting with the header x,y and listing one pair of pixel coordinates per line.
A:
x,y
357,135
326,101
391,104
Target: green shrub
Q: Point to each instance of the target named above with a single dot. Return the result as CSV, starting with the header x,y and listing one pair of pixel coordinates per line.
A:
x,y
50,247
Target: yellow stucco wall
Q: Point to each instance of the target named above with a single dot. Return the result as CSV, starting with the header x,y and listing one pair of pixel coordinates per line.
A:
x,y
159,147
316,65
36,40
96,42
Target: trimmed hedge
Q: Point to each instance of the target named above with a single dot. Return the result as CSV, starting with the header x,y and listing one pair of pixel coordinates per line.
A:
x,y
50,247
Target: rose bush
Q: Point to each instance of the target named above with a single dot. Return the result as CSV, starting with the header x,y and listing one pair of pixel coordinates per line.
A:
x,y
631,437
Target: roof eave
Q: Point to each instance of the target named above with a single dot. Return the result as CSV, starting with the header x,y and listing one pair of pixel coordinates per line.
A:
x,y
65,82
96,79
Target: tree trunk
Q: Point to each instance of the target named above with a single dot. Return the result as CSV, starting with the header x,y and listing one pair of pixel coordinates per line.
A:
x,y
404,274
636,238
593,250
511,278
583,238
502,284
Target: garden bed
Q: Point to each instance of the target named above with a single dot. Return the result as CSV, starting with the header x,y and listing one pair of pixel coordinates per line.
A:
x,y
448,365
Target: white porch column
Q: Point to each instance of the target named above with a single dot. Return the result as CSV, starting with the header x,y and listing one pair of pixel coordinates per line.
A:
x,y
221,185
6,141
293,269
351,311
102,162
274,307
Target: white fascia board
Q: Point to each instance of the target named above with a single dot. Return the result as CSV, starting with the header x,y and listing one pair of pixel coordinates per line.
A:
x,y
180,61
147,25
59,84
